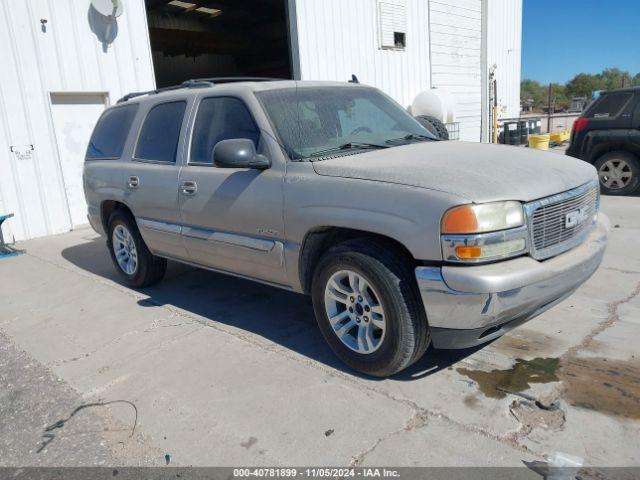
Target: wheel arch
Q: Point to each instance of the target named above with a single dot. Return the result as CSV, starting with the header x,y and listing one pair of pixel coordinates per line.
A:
x,y
107,207
320,239
598,149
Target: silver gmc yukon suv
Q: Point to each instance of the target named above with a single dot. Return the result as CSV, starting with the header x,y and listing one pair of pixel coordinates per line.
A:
x,y
334,190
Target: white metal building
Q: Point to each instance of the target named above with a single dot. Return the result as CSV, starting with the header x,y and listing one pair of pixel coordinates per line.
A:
x,y
63,62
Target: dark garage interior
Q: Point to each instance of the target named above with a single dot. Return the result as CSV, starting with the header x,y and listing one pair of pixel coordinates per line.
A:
x,y
218,38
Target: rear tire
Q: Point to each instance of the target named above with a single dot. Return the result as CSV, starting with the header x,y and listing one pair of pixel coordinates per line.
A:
x,y
619,173
134,262
434,125
390,298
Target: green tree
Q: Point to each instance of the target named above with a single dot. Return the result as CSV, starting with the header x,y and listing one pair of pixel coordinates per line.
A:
x,y
537,95
615,78
559,96
584,84
533,92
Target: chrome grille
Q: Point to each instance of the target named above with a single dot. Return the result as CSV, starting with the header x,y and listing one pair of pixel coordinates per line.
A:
x,y
562,221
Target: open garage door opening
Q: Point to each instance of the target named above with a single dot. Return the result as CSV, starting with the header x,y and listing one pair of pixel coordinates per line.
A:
x,y
218,38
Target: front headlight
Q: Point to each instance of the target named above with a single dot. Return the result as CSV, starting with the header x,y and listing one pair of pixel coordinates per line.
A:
x,y
484,232
484,217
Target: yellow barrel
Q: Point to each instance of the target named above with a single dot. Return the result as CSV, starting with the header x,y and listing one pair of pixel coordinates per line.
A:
x,y
540,142
557,137
566,134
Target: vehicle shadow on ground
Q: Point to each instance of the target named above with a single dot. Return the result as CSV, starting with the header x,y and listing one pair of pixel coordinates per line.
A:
x,y
634,194
279,316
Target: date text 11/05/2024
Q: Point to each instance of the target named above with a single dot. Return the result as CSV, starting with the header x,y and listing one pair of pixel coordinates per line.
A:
x,y
315,472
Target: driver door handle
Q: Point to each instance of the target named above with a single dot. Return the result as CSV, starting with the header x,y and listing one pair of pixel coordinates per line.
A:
x,y
189,187
133,182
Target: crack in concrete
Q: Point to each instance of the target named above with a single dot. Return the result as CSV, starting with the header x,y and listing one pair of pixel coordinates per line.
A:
x,y
171,325
157,323
622,270
612,317
142,353
418,420
82,356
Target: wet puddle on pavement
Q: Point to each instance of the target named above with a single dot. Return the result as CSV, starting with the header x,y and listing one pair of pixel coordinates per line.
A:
x,y
606,385
515,379
600,384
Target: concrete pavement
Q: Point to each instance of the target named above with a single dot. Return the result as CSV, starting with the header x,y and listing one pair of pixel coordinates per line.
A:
x,y
223,371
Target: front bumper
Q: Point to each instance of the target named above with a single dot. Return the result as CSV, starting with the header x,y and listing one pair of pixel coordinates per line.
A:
x,y
470,305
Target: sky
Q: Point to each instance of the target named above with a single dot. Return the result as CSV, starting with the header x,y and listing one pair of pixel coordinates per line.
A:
x,y
561,38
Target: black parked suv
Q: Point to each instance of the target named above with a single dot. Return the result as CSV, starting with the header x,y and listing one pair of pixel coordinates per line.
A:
x,y
607,135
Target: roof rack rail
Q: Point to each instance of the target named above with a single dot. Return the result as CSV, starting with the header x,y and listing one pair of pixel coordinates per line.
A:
x,y
185,84
215,80
197,83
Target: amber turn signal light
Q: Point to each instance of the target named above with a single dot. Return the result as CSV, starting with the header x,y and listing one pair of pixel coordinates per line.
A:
x,y
460,220
468,252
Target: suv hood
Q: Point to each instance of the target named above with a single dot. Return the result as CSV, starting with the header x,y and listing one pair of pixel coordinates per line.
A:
x,y
475,171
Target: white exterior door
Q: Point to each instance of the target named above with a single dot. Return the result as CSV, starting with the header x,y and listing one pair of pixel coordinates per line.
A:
x,y
74,116
456,59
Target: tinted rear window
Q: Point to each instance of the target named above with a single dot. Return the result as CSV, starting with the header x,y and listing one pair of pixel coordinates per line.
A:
x,y
160,132
111,132
610,105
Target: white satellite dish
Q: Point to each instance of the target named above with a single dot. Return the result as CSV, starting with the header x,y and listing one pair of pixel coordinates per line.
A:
x,y
108,8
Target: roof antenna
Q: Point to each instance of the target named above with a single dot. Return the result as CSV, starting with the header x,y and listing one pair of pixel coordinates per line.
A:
x,y
354,79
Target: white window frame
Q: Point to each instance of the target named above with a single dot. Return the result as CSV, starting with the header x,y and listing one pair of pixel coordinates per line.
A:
x,y
392,18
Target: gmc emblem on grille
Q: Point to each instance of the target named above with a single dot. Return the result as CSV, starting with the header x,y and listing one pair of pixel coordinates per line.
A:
x,y
575,218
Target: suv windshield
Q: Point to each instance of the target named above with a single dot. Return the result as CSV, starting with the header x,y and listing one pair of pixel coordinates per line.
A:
x,y
317,121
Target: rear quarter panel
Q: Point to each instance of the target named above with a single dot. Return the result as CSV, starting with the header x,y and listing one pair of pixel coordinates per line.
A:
x,y
103,180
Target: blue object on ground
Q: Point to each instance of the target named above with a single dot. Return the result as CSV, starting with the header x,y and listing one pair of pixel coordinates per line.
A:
x,y
5,249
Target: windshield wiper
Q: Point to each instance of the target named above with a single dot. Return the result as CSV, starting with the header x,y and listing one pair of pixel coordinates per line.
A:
x,y
409,137
348,146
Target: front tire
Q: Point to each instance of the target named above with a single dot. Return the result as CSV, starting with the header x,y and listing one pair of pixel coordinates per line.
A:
x,y
368,308
134,262
619,173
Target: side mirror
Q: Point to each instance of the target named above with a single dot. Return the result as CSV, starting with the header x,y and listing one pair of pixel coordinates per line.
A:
x,y
239,153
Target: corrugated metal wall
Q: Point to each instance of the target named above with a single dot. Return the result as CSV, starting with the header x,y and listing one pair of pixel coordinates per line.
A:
x,y
61,55
337,38
456,54
504,44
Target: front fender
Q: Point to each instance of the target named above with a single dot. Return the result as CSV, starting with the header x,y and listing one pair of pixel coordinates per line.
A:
x,y
409,215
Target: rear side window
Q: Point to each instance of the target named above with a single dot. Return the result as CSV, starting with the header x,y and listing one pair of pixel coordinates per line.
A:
x,y
220,118
111,132
158,140
610,105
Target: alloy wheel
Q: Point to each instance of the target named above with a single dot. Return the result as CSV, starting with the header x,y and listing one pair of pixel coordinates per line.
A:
x,y
124,249
355,311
